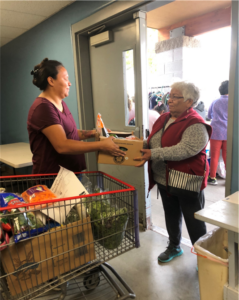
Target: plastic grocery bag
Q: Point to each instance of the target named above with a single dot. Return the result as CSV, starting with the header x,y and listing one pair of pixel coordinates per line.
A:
x,y
26,225
38,193
221,171
86,183
72,217
7,199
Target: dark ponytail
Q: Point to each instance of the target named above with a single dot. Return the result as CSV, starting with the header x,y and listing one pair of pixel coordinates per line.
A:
x,y
47,68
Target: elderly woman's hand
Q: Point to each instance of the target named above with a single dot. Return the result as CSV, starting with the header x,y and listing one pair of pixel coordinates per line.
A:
x,y
145,157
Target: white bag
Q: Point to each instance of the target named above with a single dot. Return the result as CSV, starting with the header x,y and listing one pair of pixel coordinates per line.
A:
x,y
221,171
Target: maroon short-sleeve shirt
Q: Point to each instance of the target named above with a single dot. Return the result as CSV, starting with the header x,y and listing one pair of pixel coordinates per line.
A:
x,y
43,114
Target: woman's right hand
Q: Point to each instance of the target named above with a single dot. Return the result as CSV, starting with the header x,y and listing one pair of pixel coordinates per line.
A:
x,y
108,146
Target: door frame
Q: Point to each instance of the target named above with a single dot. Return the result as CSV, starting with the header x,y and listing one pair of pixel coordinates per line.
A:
x,y
232,123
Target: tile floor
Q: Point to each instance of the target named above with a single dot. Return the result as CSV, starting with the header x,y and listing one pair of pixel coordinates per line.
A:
x,y
177,280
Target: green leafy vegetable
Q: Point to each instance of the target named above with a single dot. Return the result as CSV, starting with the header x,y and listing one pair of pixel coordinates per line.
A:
x,y
26,221
108,222
72,217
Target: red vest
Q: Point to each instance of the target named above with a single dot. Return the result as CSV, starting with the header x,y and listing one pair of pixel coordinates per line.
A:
x,y
172,136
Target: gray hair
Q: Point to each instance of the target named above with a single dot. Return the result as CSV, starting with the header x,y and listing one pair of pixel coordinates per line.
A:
x,y
188,90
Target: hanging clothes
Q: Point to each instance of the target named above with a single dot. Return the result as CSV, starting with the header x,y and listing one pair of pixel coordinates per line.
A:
x,y
157,94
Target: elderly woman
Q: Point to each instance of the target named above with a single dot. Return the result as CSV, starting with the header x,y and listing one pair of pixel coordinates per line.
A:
x,y
175,150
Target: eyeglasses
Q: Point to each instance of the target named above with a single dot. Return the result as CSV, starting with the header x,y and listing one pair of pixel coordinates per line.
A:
x,y
174,97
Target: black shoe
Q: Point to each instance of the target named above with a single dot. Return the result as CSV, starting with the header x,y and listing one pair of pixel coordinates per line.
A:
x,y
170,253
212,181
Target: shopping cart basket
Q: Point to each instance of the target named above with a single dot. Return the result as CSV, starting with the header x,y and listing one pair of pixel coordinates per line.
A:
x,y
68,256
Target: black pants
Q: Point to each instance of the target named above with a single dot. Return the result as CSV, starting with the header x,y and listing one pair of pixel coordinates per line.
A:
x,y
174,208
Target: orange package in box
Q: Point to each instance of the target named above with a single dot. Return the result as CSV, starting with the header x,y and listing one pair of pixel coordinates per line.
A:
x,y
38,193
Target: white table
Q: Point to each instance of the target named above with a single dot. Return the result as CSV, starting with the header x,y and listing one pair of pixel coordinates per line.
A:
x,y
17,155
224,213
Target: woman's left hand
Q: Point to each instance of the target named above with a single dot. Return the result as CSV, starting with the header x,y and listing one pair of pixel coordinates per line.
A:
x,y
146,156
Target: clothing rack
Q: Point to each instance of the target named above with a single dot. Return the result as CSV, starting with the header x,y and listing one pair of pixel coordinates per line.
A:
x,y
158,94
160,87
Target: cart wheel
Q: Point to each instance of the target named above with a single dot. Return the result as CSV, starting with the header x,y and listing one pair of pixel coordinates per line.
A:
x,y
92,281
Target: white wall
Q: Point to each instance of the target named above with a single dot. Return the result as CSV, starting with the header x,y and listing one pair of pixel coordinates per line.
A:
x,y
214,62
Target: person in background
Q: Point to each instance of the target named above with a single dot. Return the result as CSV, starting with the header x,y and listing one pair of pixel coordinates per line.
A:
x,y
131,110
218,112
200,109
153,101
177,143
153,116
54,138
161,108
155,113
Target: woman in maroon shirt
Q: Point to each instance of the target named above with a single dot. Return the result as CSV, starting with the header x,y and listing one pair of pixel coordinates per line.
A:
x,y
54,138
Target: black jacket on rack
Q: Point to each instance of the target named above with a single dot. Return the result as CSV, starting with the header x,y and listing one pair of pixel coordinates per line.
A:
x,y
153,101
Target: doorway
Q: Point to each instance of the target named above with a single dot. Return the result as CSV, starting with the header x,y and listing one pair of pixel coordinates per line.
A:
x,y
113,14
102,72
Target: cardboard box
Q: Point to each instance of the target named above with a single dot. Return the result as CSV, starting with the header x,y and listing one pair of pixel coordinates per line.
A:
x,y
132,149
60,240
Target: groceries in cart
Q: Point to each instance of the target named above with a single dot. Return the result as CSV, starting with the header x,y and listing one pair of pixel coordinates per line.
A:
x,y
100,127
27,225
89,224
109,222
7,199
109,219
65,185
86,183
19,221
4,239
22,222
38,193
72,216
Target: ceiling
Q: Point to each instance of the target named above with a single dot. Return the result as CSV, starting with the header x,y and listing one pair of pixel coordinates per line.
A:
x,y
181,10
19,16
16,17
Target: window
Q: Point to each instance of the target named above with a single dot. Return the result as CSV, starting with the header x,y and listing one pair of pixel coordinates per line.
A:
x,y
129,87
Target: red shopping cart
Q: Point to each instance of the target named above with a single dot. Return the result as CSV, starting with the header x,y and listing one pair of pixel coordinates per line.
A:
x,y
64,258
